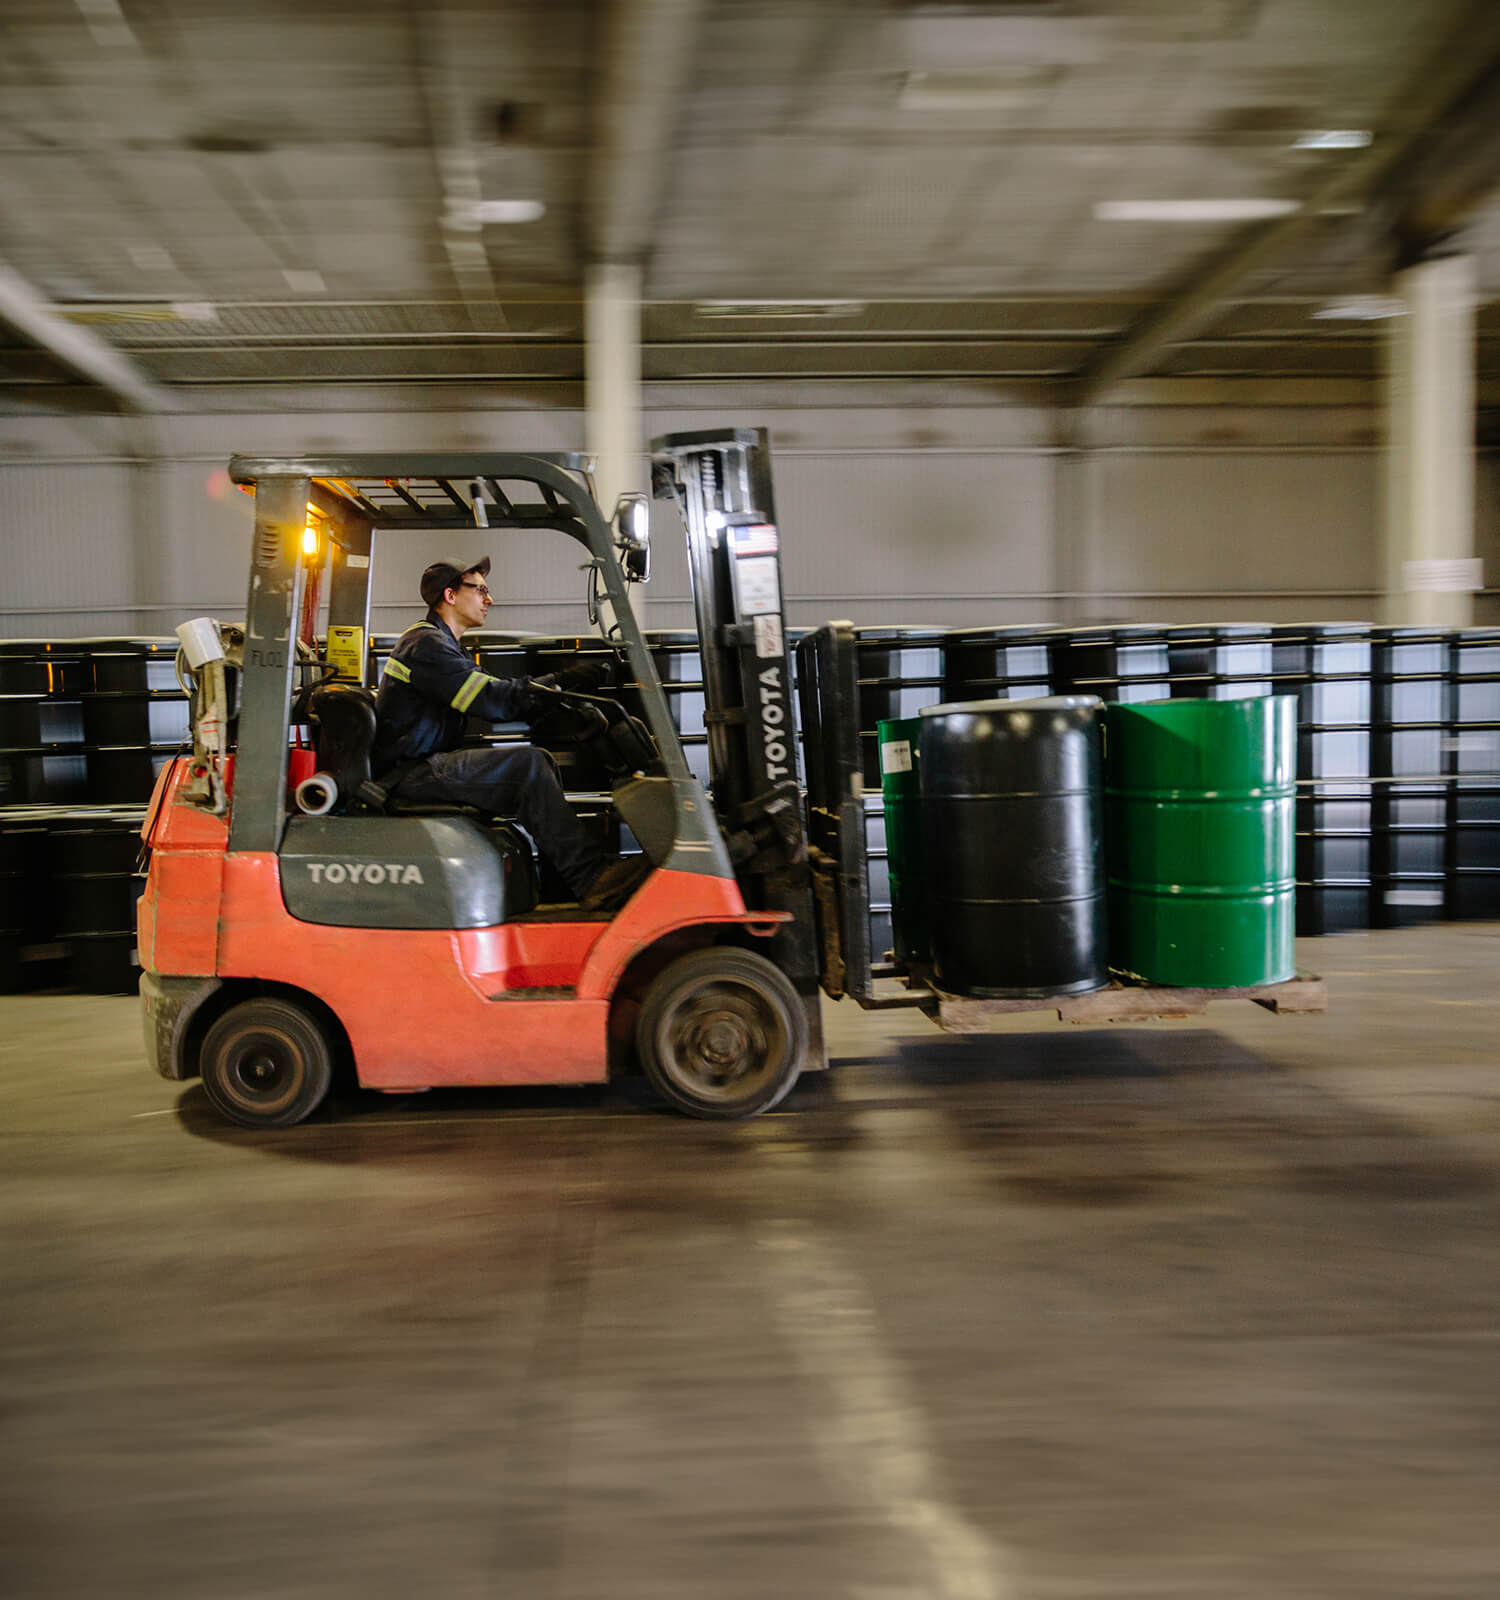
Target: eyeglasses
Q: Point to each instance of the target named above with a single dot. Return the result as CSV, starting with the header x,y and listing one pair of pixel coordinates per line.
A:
x,y
484,592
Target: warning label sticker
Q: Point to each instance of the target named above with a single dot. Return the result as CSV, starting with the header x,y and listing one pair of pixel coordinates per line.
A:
x,y
759,590
768,640
346,653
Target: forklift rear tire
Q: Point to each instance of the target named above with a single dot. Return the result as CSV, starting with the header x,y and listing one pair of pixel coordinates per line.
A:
x,y
266,1064
722,1034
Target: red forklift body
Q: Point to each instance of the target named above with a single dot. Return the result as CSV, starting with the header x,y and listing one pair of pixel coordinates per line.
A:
x,y
260,981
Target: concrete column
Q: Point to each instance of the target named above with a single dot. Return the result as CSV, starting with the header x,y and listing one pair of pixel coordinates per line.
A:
x,y
612,333
1429,567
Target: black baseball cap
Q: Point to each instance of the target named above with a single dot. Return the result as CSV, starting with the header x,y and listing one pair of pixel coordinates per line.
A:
x,y
443,575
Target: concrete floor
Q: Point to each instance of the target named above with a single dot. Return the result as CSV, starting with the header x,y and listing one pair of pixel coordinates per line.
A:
x,y
1207,1309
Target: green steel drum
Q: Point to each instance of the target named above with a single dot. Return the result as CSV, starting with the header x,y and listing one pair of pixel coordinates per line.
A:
x,y
900,788
1199,840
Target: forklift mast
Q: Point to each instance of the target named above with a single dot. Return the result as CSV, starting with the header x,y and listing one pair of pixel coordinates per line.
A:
x,y
721,480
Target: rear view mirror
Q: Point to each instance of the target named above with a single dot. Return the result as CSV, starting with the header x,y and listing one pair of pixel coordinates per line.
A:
x,y
633,536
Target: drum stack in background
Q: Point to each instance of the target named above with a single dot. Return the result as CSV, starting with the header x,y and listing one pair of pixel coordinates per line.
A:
x,y
42,757
1474,798
135,716
1328,666
1398,757
996,664
900,671
1411,763
95,853
85,726
1122,665
31,957
1220,661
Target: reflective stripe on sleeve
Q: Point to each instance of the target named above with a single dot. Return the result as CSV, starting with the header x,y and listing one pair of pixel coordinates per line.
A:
x,y
467,695
400,672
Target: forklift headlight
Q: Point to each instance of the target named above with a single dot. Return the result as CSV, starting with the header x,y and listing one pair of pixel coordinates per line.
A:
x,y
633,536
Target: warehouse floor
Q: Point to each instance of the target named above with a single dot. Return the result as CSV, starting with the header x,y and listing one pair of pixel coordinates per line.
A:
x,y
1206,1309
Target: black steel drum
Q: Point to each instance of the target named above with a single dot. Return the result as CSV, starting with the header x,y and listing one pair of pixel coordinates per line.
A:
x,y
1011,802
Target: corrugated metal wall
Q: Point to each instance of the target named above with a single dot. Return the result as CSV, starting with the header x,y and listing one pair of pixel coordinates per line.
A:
x,y
944,515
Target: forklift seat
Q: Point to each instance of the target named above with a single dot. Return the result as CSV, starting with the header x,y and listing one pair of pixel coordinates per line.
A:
x,y
342,717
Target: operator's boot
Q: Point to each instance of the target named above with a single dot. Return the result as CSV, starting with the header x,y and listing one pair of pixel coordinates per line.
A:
x,y
615,885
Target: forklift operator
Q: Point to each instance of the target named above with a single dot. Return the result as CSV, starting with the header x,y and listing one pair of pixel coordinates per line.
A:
x,y
428,689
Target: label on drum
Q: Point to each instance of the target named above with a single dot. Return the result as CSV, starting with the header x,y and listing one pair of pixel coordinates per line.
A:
x,y
896,756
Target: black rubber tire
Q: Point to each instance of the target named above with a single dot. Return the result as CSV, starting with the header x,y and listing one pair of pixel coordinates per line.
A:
x,y
722,1034
266,1063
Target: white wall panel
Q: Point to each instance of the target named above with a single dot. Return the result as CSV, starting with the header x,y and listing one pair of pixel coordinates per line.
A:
x,y
66,538
907,536
1234,534
893,514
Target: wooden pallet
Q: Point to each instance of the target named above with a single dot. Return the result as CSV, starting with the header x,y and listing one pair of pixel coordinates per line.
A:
x,y
1122,1002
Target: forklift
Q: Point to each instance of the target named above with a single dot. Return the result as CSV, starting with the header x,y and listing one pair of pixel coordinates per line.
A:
x,y
280,940
296,917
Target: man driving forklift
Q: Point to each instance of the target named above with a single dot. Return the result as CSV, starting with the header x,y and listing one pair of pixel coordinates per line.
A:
x,y
430,686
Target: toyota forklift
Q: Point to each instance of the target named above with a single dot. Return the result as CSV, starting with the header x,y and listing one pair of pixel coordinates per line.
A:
x,y
282,937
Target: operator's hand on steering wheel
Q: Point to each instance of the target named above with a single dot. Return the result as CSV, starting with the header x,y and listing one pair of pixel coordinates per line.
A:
x,y
588,676
590,719
567,713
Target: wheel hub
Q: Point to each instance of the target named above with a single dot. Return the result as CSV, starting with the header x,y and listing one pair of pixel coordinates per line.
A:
x,y
719,1037
725,1040
263,1070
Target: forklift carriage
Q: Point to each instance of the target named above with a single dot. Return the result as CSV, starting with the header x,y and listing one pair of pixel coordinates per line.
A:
x,y
405,939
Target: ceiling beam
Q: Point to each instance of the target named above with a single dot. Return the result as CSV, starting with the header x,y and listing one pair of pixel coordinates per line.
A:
x,y
82,351
646,52
1433,112
1434,191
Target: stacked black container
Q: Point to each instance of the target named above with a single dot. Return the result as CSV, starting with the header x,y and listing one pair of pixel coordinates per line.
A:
x,y
1328,667
41,723
996,664
900,671
1412,754
1474,795
135,716
31,954
95,854
1123,664
1220,661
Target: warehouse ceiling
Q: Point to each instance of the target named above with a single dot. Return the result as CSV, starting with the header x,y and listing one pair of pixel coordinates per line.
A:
x,y
254,192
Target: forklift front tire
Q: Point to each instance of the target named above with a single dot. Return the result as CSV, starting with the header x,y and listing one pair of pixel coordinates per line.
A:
x,y
266,1063
722,1034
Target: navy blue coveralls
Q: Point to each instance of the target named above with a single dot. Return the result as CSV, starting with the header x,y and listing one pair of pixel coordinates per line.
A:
x,y
430,686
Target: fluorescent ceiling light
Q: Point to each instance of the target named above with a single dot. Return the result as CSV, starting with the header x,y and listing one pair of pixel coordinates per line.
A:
x,y
779,308
1192,210
1359,308
507,210
1333,139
